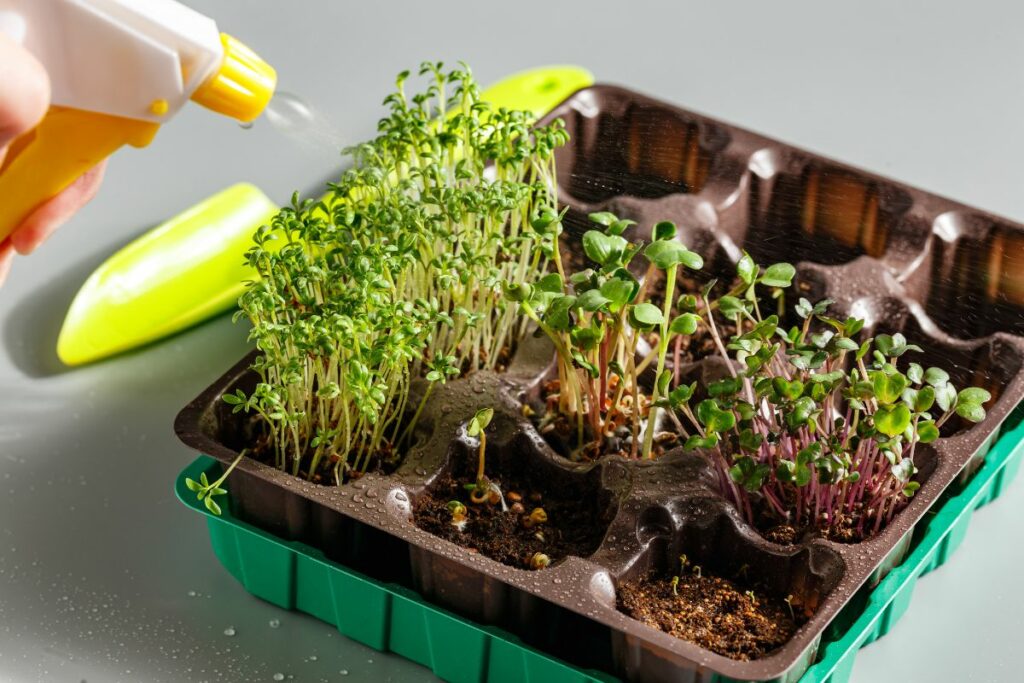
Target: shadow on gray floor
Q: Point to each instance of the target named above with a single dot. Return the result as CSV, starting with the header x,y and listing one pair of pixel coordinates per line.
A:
x,y
33,325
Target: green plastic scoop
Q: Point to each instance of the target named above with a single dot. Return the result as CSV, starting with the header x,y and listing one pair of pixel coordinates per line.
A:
x,y
191,267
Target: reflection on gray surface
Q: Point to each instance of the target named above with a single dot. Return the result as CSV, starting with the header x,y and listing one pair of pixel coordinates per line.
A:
x,y
105,577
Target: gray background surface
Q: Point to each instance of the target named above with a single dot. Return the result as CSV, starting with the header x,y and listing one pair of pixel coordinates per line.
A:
x,y
105,577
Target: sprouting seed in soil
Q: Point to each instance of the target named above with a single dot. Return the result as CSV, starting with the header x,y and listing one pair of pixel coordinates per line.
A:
x,y
684,562
697,571
459,514
537,516
789,603
539,561
751,597
675,585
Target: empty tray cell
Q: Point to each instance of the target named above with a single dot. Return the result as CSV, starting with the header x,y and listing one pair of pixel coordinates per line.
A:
x,y
644,150
829,215
715,583
977,277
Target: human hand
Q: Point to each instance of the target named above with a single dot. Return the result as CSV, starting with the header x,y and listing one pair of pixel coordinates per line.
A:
x,y
24,99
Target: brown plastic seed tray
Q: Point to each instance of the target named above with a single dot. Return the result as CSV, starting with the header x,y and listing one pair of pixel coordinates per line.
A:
x,y
951,278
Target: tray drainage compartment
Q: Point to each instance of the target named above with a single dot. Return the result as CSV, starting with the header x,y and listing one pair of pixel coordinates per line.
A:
x,y
976,282
829,215
641,149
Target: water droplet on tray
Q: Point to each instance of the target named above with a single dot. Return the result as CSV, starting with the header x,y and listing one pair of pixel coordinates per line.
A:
x,y
229,631
278,677
274,623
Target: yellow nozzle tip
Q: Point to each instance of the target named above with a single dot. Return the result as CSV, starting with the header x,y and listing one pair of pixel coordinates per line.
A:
x,y
243,85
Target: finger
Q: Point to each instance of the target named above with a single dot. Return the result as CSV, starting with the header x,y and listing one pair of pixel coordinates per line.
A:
x,y
6,258
53,213
24,93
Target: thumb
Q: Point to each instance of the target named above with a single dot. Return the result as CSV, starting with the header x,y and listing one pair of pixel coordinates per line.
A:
x,y
24,91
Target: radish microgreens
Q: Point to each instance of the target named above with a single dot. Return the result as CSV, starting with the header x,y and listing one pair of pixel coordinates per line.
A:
x,y
819,428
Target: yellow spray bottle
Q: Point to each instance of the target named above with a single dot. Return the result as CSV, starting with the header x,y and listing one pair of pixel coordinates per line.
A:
x,y
118,70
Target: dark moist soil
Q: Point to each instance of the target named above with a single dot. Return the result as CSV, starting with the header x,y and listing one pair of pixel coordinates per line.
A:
x,y
849,529
715,613
561,433
701,344
261,449
576,516
384,462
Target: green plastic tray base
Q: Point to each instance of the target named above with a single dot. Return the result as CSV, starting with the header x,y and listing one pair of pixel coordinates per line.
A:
x,y
391,618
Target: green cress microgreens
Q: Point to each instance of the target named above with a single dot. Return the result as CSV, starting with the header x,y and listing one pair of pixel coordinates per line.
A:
x,y
396,274
821,445
206,492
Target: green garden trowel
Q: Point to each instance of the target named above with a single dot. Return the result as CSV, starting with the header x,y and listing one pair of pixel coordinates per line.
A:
x,y
192,268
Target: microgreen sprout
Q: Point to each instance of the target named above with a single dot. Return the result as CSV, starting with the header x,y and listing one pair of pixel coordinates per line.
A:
x,y
675,585
481,491
536,517
206,491
789,603
396,275
539,561
753,598
459,514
